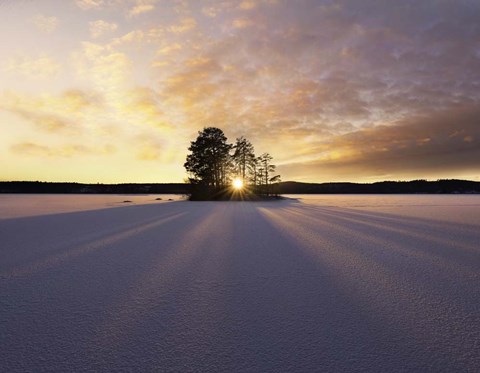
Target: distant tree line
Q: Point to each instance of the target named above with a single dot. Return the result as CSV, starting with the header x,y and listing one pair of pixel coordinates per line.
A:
x,y
384,187
444,186
41,187
213,164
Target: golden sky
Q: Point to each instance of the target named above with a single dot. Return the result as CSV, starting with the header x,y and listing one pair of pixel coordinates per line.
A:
x,y
352,90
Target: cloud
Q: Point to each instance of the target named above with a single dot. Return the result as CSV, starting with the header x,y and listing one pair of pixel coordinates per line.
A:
x,y
184,25
141,8
106,68
168,49
133,119
141,105
39,67
440,143
32,149
135,37
51,113
242,23
307,80
100,27
247,5
327,87
89,4
211,11
45,24
149,148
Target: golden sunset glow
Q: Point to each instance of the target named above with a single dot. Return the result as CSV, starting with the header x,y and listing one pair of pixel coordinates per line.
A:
x,y
114,90
237,184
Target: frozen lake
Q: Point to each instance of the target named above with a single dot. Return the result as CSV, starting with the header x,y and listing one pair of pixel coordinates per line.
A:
x,y
21,205
386,283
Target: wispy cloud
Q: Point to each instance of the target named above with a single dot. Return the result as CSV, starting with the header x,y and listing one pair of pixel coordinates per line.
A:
x,y
247,5
42,66
141,8
242,23
411,148
101,27
211,11
184,25
168,49
89,4
32,149
45,24
50,113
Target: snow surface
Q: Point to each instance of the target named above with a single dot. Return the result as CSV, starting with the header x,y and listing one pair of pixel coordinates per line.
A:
x,y
324,283
20,205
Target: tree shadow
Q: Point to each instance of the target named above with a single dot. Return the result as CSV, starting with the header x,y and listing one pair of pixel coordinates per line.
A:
x,y
261,286
421,303
448,241
39,241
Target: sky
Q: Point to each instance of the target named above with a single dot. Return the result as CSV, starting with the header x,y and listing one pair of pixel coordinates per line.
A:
x,y
113,91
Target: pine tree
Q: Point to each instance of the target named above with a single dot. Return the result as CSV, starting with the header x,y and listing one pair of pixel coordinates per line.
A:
x,y
208,162
243,157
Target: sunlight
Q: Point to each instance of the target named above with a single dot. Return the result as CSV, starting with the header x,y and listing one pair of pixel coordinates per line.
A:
x,y
237,183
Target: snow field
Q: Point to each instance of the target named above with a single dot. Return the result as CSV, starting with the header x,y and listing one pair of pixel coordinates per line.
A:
x,y
346,284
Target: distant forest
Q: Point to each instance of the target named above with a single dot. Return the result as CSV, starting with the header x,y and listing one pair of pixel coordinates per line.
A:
x,y
288,187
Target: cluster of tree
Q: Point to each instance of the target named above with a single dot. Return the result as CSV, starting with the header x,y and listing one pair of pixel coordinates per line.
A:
x,y
213,164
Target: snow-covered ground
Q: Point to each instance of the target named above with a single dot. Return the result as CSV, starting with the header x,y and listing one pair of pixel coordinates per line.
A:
x,y
21,205
324,283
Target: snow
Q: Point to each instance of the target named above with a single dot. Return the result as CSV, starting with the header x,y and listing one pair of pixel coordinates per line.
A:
x,y
323,283
20,205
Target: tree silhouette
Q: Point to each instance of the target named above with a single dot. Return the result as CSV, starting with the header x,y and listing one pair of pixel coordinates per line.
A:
x,y
243,157
267,167
209,160
212,167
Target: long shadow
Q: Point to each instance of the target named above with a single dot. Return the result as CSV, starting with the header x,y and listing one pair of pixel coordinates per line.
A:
x,y
49,318
180,314
29,242
284,311
384,217
452,242
397,317
427,265
433,301
227,286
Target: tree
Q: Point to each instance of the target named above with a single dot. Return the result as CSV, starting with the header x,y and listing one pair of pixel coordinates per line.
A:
x,y
266,170
275,184
243,156
254,168
212,168
209,160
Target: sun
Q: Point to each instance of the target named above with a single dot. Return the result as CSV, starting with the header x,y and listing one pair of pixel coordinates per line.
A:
x,y
237,183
